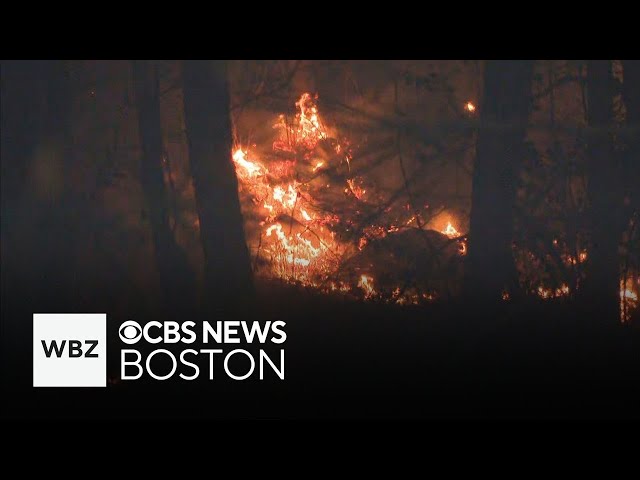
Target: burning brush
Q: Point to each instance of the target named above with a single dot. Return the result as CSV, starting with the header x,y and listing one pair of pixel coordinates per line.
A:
x,y
307,204
309,222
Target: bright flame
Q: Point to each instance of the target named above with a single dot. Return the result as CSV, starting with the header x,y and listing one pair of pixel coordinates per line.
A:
x,y
450,231
355,189
546,293
295,243
628,298
307,129
247,169
366,284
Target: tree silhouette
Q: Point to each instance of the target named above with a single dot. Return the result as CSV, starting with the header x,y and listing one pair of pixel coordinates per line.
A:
x,y
228,279
601,287
631,96
176,279
504,112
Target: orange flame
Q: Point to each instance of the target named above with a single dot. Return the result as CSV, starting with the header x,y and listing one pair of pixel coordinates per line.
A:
x,y
628,298
293,253
546,293
450,231
366,284
246,168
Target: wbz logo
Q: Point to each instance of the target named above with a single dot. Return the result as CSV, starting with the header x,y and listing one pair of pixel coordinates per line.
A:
x,y
75,348
69,349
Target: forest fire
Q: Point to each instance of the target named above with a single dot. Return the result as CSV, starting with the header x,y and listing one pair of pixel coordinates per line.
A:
x,y
628,288
301,238
436,239
294,238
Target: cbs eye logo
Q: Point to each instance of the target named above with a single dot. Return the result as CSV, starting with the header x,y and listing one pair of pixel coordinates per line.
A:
x,y
130,332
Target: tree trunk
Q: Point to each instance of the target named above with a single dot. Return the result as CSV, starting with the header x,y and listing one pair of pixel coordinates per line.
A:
x,y
490,267
59,219
228,279
631,96
21,118
601,286
631,167
45,224
176,278
37,224
631,90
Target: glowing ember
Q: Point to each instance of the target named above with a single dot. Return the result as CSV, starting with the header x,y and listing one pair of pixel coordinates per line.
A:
x,y
470,107
355,189
628,298
571,260
629,290
450,231
546,293
366,284
339,287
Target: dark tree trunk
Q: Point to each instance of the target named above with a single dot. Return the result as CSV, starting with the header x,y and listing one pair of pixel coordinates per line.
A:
x,y
37,225
176,278
21,117
490,267
228,278
631,89
631,165
20,112
601,287
38,165
59,222
631,96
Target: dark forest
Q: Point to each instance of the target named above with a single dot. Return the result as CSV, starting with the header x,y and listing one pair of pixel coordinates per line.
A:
x,y
444,239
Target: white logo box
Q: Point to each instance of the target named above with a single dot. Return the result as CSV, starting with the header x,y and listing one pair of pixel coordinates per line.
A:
x,y
77,366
